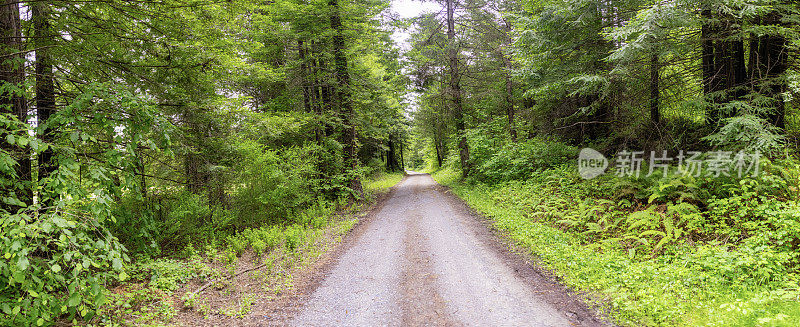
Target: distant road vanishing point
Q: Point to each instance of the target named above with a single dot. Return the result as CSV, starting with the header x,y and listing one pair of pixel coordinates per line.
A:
x,y
425,260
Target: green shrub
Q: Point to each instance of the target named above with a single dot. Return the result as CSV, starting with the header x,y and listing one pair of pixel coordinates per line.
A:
x,y
294,236
675,251
271,185
55,265
519,161
237,244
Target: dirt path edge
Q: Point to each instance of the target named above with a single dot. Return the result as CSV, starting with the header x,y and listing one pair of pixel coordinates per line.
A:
x,y
281,311
527,266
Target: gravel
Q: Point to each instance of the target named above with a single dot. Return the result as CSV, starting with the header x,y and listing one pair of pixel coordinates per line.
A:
x,y
423,260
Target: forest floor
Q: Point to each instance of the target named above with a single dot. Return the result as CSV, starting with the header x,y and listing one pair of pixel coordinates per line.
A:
x,y
422,257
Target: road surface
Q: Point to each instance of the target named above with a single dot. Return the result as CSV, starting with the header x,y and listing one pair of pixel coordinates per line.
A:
x,y
423,260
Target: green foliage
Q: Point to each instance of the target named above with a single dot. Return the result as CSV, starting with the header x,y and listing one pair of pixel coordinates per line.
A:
x,y
294,236
146,299
176,124
273,185
601,246
245,304
383,182
61,255
49,255
135,306
748,132
517,161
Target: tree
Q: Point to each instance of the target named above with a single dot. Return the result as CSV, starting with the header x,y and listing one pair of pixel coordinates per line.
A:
x,y
45,89
344,97
12,99
454,89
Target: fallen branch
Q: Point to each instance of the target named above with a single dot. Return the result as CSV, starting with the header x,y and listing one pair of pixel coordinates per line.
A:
x,y
206,285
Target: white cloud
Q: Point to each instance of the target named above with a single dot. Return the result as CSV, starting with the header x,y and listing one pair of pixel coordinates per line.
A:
x,y
408,9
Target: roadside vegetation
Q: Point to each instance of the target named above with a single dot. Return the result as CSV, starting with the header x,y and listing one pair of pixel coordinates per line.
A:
x,y
660,251
224,279
527,85
158,155
148,146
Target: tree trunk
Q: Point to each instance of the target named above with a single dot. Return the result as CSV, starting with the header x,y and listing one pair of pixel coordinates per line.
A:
x,y
709,69
724,67
655,92
309,91
438,153
391,157
510,110
343,95
455,90
770,63
402,158
12,73
45,89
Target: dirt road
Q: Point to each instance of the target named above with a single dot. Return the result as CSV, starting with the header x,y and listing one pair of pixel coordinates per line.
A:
x,y
424,259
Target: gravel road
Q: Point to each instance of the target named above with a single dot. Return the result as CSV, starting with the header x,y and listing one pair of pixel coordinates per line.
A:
x,y
424,259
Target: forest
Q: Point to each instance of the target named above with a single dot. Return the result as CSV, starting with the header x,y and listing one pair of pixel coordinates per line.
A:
x,y
152,150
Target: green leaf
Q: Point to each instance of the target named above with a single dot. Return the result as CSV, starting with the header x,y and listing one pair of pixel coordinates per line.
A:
x,y
10,139
23,263
74,300
123,276
663,242
652,198
56,268
116,264
33,293
40,322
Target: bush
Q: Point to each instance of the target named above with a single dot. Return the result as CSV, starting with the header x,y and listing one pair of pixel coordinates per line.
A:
x,y
519,161
55,265
272,186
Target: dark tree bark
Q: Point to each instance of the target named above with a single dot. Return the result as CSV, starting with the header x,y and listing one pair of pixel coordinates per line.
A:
x,y
309,92
343,95
45,89
12,72
769,60
455,90
438,152
724,68
707,40
391,157
402,157
655,92
509,94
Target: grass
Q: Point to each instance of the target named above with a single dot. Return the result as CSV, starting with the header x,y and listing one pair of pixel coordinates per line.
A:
x,y
696,284
382,182
158,288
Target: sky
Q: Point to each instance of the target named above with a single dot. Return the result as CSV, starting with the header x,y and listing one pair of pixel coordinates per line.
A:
x,y
408,9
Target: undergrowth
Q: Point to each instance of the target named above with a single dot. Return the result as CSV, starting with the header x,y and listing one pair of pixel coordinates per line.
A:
x,y
159,287
659,252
